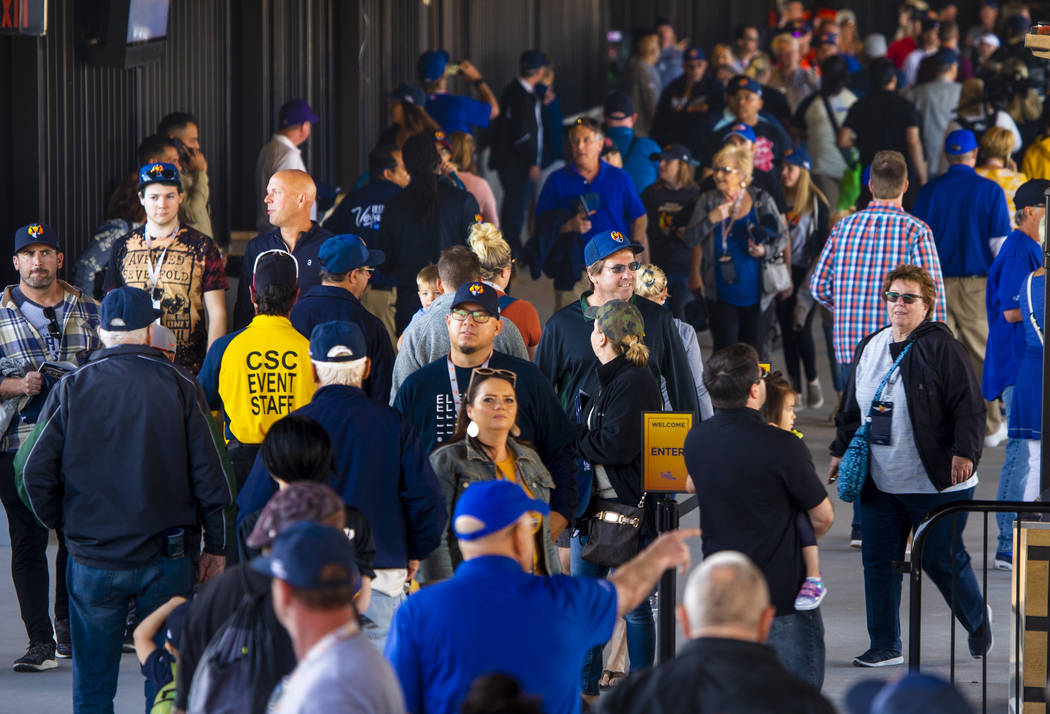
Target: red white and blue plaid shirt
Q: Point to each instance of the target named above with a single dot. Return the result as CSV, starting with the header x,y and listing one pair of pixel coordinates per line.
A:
x,y
860,251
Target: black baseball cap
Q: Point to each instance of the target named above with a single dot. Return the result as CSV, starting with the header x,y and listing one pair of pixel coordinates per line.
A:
x,y
531,60
675,151
274,267
1031,193
618,106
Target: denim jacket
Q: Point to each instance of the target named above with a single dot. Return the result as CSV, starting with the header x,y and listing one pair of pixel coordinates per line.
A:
x,y
461,463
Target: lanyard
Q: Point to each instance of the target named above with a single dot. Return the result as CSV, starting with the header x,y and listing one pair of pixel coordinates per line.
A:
x,y
457,398
154,272
727,224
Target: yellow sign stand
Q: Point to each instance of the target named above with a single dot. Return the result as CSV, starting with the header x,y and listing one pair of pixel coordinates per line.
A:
x,y
663,446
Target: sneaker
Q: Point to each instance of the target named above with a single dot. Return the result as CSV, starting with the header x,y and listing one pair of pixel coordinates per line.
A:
x,y
814,395
1004,561
878,657
854,538
981,641
38,657
811,594
993,440
64,648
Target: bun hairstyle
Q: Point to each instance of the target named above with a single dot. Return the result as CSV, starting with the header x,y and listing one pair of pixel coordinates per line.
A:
x,y
487,242
649,281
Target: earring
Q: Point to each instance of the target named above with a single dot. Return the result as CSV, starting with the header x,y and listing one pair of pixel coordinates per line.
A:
x,y
473,429
515,431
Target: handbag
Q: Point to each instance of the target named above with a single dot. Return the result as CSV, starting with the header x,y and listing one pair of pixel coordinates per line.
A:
x,y
613,530
849,185
776,276
853,469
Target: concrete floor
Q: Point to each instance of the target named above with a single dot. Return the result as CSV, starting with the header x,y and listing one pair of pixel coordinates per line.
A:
x,y
843,609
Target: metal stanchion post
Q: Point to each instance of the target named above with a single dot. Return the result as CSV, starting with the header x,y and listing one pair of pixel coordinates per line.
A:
x,y
666,520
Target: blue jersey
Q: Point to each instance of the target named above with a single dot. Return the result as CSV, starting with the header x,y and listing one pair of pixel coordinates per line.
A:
x,y
456,113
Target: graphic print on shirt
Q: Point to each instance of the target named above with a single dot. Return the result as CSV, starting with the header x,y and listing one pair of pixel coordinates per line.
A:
x,y
444,417
368,216
271,376
763,153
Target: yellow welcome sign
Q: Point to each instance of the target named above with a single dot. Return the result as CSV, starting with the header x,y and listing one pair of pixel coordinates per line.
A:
x,y
663,446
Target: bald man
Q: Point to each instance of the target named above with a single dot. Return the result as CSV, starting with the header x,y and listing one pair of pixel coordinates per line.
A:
x,y
289,200
726,666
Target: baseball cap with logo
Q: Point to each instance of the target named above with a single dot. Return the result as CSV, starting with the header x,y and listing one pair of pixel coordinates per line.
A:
x,y
337,341
274,267
431,65
693,53
486,507
674,151
606,243
798,156
126,309
296,111
478,293
298,501
312,557
960,141
617,319
741,83
826,38
345,252
35,234
618,106
159,172
744,131
409,93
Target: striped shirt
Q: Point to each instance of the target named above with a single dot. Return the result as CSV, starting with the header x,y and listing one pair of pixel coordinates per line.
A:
x,y
860,251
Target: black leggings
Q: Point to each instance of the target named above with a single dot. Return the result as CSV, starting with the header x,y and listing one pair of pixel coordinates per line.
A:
x,y
798,343
731,324
805,530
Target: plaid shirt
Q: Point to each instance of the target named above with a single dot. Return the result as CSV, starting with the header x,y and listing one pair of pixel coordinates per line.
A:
x,y
19,340
860,251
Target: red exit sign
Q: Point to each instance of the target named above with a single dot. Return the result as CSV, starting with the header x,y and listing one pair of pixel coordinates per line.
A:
x,y
23,17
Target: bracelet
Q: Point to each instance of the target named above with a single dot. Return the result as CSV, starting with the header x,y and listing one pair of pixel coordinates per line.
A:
x,y
479,81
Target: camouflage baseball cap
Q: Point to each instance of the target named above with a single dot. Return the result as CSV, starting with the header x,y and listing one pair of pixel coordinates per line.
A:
x,y
298,501
617,319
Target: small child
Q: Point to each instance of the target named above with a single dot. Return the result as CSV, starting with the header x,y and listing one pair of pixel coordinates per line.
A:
x,y
779,411
427,285
158,663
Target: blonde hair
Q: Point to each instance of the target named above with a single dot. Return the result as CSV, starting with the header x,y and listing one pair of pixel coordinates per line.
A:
x,y
997,143
805,190
462,151
648,47
427,277
486,241
971,94
721,52
634,350
649,281
758,66
739,157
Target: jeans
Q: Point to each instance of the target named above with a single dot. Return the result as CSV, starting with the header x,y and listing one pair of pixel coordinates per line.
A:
x,y
29,560
681,297
98,606
838,379
641,628
886,521
517,194
731,324
1011,481
798,640
379,615
797,341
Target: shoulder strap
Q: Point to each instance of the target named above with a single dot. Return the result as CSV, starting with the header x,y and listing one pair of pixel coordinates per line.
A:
x,y
896,363
630,147
846,153
1031,310
504,301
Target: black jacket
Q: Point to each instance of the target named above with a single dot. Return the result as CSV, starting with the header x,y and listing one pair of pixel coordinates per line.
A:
x,y
713,674
124,450
944,401
515,144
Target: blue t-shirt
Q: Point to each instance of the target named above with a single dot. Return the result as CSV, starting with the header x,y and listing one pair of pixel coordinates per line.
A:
x,y
1018,257
157,668
964,211
635,151
746,289
456,113
491,616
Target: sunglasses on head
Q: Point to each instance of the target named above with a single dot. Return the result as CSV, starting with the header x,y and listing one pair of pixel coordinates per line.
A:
x,y
620,267
486,372
908,298
478,316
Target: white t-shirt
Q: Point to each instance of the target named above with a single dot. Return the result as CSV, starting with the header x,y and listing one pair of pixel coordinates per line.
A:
x,y
820,133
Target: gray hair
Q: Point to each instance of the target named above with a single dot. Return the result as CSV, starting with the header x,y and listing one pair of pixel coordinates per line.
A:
x,y
350,374
1019,216
112,338
726,590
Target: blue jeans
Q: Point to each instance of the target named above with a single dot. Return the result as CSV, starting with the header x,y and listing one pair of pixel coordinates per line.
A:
x,y
379,615
798,640
681,297
841,372
641,629
1011,481
98,607
887,520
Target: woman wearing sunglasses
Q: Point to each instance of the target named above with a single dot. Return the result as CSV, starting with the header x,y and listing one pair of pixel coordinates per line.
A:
x,y
926,435
484,448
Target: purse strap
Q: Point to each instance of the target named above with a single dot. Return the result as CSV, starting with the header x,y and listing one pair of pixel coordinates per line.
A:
x,y
1031,310
882,384
847,154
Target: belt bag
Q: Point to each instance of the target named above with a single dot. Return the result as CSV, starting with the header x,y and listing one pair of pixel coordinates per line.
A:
x,y
613,532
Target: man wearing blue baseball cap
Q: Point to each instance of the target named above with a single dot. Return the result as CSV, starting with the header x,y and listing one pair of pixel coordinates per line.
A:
x,y
347,265
744,106
970,221
294,121
452,111
687,101
42,319
619,116
132,484
495,615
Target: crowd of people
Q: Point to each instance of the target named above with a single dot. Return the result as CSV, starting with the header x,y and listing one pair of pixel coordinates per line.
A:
x,y
385,484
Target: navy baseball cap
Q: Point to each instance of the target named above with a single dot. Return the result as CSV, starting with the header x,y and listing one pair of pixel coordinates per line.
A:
x,y
125,309
605,244
35,234
479,293
826,38
960,141
296,111
161,173
674,151
1031,193
346,252
486,507
618,106
693,53
410,93
311,556
914,693
173,624
531,60
337,341
742,82
744,131
799,157
946,56
431,65
274,267
930,23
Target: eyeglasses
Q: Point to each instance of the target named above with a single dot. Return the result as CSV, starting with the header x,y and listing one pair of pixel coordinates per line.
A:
x,y
480,373
478,316
368,270
763,372
891,297
53,329
619,268
725,170
280,252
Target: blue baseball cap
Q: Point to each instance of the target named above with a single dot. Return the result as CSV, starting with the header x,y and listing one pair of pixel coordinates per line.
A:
x,y
431,65
914,693
798,156
960,141
486,507
125,309
675,151
311,556
605,244
930,23
346,252
35,234
409,93
946,56
742,82
826,38
532,60
693,53
744,131
618,106
480,293
173,624
296,111
337,341
159,172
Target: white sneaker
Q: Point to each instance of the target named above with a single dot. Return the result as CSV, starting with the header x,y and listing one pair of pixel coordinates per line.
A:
x,y
814,395
993,440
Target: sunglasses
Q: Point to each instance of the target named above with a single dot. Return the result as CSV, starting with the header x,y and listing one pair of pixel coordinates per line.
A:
x,y
486,372
763,372
908,298
52,325
725,170
620,267
478,316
